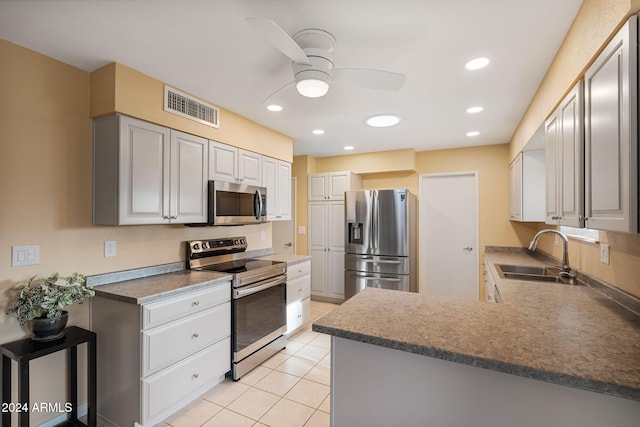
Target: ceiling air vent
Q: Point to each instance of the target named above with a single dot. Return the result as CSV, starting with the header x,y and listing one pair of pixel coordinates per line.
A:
x,y
184,105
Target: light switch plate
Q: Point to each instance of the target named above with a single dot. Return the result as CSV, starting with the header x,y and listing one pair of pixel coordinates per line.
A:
x,y
25,255
604,254
109,248
302,229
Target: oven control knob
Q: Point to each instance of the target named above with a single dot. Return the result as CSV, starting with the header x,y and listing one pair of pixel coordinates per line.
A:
x,y
204,245
196,246
242,241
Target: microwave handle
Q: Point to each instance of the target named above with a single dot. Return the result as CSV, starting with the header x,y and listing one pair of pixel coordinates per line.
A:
x,y
257,204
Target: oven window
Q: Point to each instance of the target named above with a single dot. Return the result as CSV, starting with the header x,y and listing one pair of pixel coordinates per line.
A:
x,y
257,315
229,203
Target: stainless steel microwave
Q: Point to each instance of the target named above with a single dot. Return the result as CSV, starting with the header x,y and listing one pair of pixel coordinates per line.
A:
x,y
236,204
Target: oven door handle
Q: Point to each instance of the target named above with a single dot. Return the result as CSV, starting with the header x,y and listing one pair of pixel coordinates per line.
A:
x,y
260,286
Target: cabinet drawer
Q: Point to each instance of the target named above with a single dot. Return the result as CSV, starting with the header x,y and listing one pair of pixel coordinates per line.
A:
x,y
169,309
298,288
297,270
168,344
166,388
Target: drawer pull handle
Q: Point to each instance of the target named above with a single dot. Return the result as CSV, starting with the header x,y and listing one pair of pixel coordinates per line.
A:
x,y
299,289
195,335
195,303
195,376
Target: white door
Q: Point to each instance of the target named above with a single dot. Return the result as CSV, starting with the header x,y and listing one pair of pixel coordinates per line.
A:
x,y
448,248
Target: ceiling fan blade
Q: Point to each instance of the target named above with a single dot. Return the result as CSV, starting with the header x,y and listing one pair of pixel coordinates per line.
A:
x,y
373,79
264,101
280,39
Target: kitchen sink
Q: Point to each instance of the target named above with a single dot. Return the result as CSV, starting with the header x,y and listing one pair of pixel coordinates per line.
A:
x,y
535,273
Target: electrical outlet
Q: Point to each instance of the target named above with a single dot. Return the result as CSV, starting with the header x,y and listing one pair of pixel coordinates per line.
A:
x,y
557,241
25,255
109,248
302,229
604,254
263,235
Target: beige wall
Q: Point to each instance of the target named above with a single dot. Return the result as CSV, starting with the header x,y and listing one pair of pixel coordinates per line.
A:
x,y
45,183
596,22
116,87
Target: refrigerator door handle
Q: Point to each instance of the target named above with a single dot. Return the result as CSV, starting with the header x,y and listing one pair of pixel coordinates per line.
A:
x,y
379,261
386,279
375,226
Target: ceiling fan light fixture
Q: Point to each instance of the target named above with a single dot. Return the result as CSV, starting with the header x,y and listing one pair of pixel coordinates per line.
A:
x,y
312,83
383,121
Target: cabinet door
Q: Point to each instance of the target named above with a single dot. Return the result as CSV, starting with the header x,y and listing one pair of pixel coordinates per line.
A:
x,y
318,232
551,163
335,226
144,172
339,182
317,187
319,272
223,162
283,191
269,179
335,274
515,189
571,162
188,201
249,167
611,135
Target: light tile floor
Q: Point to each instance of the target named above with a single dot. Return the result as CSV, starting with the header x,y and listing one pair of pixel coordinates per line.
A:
x,y
291,389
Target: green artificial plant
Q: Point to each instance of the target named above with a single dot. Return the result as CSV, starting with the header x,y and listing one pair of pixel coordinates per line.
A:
x,y
40,298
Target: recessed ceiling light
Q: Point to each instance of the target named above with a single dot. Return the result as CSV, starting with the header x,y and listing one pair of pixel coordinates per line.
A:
x,y
383,121
477,63
317,132
473,110
473,133
348,147
274,107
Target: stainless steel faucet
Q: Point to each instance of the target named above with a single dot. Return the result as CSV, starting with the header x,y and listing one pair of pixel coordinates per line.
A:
x,y
565,256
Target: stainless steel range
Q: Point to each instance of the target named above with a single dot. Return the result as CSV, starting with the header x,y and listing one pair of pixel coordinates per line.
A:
x,y
259,299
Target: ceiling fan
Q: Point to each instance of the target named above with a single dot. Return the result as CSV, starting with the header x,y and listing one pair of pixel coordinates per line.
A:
x,y
310,50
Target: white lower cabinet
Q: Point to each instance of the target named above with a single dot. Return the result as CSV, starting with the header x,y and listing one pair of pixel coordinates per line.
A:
x,y
155,358
298,296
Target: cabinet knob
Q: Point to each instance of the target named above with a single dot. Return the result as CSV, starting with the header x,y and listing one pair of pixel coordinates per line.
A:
x,y
195,376
195,335
195,303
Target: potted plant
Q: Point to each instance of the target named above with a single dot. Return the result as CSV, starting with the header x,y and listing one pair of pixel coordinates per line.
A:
x,y
41,300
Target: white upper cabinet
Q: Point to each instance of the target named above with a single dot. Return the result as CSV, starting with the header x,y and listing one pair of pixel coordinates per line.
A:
x,y
332,185
526,187
276,178
611,135
564,161
147,174
232,164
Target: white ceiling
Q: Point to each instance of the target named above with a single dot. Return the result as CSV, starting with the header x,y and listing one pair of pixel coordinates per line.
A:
x,y
206,48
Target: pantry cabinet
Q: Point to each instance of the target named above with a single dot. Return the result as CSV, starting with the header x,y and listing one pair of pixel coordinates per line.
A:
x,y
564,161
233,164
611,134
526,186
276,178
332,185
147,174
326,247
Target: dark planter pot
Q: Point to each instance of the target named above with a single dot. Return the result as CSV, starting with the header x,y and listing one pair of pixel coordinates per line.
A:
x,y
49,329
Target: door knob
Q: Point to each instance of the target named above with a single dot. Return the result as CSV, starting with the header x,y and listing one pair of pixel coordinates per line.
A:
x,y
288,244
468,249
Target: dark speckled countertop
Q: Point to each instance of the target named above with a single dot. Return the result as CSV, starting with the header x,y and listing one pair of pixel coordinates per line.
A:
x,y
569,335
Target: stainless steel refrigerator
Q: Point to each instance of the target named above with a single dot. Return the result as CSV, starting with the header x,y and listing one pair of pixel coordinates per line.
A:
x,y
380,240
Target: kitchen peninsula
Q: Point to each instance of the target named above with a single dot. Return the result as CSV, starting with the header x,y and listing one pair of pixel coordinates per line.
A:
x,y
553,355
